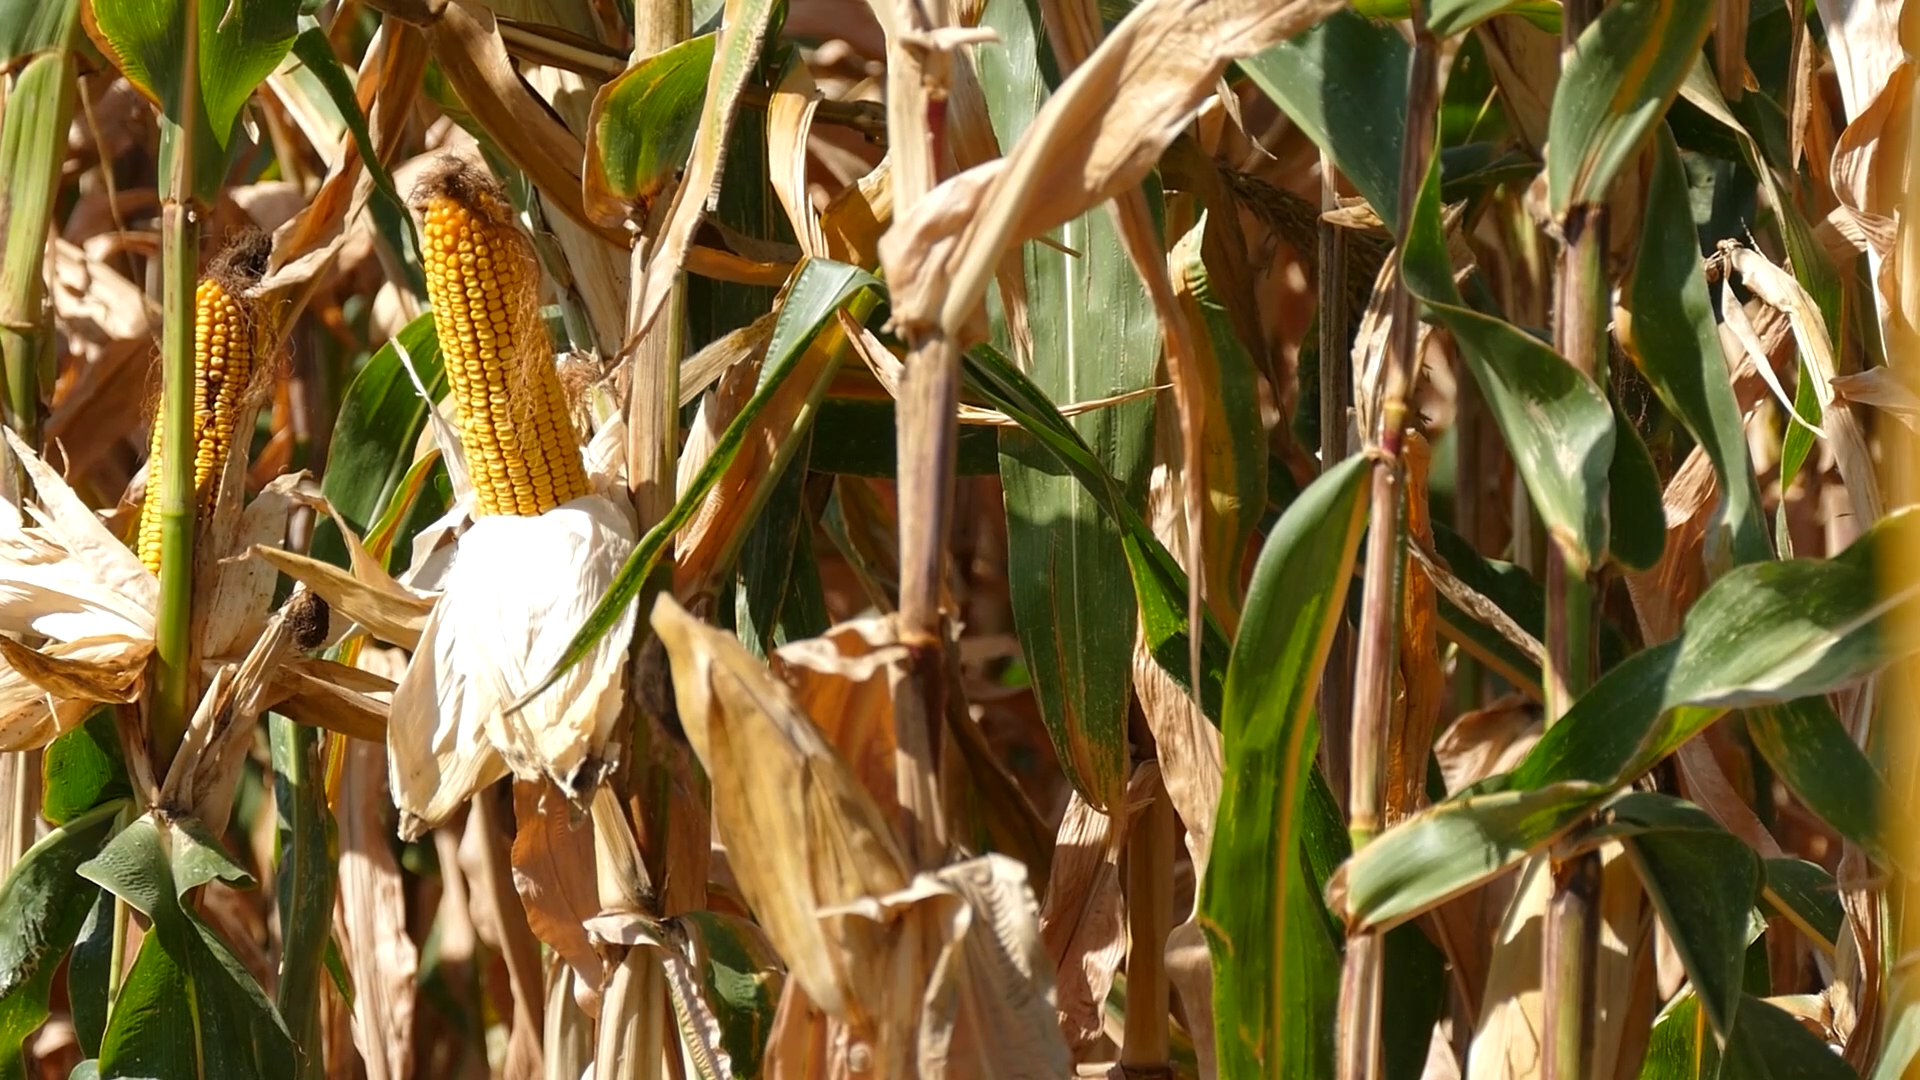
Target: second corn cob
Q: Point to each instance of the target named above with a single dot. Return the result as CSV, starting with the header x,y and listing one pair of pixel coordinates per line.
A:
x,y
227,347
520,446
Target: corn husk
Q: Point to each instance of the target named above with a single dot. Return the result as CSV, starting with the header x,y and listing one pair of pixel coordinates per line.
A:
x,y
937,974
515,594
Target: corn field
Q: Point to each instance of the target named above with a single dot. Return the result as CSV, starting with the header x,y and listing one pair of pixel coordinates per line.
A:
x,y
690,539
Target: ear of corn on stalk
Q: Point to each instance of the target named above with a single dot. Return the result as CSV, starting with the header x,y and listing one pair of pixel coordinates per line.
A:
x,y
520,446
228,346
541,551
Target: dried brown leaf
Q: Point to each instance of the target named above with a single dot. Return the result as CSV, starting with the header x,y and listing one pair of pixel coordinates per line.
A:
x,y
801,832
554,873
1083,922
1095,138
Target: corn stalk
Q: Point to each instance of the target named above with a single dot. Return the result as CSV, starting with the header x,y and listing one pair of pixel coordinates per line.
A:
x,y
1358,1056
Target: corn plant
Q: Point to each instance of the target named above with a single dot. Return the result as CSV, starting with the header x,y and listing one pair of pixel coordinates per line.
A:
x,y
1221,538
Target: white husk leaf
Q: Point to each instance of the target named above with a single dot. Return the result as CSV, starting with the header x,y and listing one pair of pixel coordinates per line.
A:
x,y
517,591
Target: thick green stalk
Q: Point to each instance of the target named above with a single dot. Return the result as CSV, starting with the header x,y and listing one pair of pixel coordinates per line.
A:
x,y
306,883
173,646
33,141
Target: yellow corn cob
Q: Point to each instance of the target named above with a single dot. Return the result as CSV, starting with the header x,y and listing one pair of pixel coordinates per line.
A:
x,y
521,449
224,354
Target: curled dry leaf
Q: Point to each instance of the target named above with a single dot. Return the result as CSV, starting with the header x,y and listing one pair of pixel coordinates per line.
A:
x,y
843,677
553,871
370,918
800,832
67,579
1083,923
941,973
1096,137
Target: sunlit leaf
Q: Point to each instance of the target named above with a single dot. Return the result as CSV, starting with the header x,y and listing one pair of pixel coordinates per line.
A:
x,y
1626,68
1557,424
1703,881
1275,966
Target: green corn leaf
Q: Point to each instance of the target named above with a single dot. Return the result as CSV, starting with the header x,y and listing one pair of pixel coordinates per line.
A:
x,y
1344,84
1703,881
305,883
1449,17
1453,848
642,127
84,768
232,47
1902,1045
1160,586
1636,518
1275,965
1806,895
1094,335
1763,634
1556,422
1676,345
818,288
1769,1044
42,906
1812,754
188,1009
375,433
741,977
26,29
1624,71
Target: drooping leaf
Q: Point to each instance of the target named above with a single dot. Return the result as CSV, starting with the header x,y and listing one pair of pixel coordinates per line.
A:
x,y
1812,754
42,906
1769,1044
1159,584
1344,84
1624,71
642,128
1449,17
1453,847
1806,895
820,287
1682,1046
1275,969
304,886
228,1027
1703,881
1557,424
1636,520
1093,335
1763,634
1674,341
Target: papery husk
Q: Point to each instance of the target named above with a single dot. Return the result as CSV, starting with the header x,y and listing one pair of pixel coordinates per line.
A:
x,y
66,579
1083,923
1095,138
939,974
516,592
